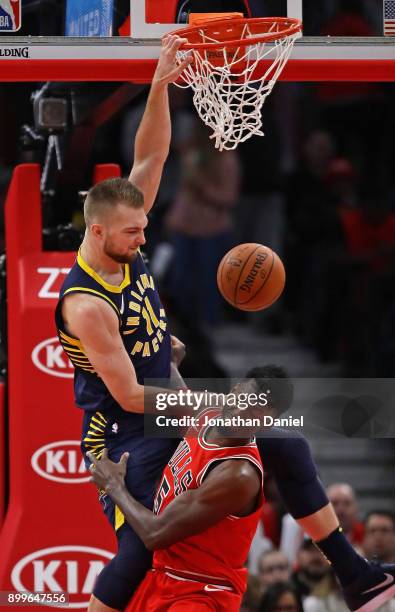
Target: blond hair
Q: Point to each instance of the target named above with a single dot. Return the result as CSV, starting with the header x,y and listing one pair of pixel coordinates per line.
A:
x,y
106,195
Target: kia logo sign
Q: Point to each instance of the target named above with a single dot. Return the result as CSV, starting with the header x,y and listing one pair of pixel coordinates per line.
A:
x,y
49,357
70,569
61,462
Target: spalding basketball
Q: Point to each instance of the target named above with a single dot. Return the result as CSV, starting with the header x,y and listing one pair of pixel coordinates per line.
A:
x,y
251,276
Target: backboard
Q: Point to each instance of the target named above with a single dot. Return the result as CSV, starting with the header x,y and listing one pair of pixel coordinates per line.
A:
x,y
346,46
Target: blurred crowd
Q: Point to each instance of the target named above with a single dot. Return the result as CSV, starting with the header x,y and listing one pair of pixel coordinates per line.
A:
x,y
318,189
288,573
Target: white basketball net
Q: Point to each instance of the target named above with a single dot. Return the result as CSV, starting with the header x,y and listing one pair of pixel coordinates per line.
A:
x,y
230,102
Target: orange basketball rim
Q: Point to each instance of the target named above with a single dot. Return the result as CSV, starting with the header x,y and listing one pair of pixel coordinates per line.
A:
x,y
227,51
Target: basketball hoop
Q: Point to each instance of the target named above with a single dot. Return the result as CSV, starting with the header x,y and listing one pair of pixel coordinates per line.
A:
x,y
227,51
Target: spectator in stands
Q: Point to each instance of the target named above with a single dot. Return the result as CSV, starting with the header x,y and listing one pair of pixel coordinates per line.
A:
x,y
200,225
281,597
332,278
314,238
370,231
318,149
342,183
379,538
326,596
252,596
307,193
370,241
312,567
273,567
342,496
263,201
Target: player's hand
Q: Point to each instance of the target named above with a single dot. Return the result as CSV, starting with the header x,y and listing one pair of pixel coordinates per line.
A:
x,y
168,70
177,351
106,473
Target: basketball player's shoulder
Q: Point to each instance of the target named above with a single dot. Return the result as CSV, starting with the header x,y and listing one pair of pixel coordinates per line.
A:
x,y
88,318
81,292
85,304
243,470
241,473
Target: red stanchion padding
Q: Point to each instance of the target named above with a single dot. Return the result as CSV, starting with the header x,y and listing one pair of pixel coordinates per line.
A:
x,y
105,171
3,463
54,537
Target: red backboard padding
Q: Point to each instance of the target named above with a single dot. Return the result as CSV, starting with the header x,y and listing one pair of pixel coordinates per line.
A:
x,y
54,535
160,11
142,71
156,11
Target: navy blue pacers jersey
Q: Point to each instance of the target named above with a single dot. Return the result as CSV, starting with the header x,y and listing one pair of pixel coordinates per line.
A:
x,y
142,325
144,331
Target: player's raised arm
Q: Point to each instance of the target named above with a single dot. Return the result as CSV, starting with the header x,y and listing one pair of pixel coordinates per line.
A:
x,y
232,488
154,134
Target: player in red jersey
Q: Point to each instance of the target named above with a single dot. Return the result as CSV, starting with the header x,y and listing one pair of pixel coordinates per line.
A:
x,y
206,511
365,585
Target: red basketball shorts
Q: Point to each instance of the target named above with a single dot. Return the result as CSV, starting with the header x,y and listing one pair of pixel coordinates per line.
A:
x,y
161,592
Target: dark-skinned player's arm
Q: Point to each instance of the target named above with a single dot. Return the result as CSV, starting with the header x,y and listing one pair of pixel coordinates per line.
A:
x,y
154,134
95,324
233,487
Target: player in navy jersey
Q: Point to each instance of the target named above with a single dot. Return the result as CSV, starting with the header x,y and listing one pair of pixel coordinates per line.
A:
x,y
114,329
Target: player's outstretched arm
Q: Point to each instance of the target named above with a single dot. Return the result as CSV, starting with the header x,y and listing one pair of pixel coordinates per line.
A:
x,y
232,488
154,134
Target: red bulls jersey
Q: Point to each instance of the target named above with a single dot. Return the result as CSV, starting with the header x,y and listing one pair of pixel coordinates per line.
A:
x,y
218,554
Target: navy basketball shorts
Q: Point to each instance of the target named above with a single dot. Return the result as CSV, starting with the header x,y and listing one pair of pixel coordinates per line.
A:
x,y
147,456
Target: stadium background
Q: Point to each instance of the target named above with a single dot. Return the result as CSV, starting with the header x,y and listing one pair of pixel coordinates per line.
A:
x,y
319,189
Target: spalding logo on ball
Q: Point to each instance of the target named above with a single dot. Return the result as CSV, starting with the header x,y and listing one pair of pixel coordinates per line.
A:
x,y
251,276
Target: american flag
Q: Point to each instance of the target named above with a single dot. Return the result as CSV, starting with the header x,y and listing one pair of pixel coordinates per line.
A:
x,y
389,17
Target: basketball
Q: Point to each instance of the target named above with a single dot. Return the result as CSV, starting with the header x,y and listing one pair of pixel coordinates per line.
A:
x,y
251,276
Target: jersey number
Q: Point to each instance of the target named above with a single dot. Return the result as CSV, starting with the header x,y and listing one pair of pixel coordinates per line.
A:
x,y
149,316
184,483
162,493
